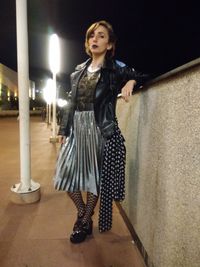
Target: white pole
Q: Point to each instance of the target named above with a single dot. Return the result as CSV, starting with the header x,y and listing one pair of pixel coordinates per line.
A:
x,y
50,113
54,62
54,108
47,113
25,185
23,85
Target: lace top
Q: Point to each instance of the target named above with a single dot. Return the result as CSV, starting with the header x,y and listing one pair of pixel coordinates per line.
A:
x,y
86,88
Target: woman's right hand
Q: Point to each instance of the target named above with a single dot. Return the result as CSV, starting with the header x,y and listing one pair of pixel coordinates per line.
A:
x,y
127,90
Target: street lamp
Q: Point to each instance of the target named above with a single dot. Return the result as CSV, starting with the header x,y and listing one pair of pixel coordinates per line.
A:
x,y
54,62
48,97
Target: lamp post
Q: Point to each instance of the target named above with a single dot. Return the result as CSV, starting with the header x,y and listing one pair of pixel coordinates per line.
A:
x,y
48,97
54,62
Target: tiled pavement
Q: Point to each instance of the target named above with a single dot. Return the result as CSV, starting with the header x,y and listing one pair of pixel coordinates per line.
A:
x,y
37,235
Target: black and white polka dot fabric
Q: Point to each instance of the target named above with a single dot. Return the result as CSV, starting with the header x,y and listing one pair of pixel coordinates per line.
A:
x,y
112,178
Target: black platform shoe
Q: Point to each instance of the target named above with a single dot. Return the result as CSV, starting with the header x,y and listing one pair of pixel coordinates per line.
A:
x,y
77,222
80,233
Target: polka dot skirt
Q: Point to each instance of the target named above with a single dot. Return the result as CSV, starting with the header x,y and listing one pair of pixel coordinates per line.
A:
x,y
112,178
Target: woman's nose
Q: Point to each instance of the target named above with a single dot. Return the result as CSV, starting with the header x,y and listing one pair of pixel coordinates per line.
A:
x,y
94,38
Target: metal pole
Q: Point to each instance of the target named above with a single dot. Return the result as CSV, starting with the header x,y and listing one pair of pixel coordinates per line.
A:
x,y
49,114
53,138
23,85
25,185
54,107
54,62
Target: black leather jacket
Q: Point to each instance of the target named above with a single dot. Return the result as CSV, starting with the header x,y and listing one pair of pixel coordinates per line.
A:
x,y
114,75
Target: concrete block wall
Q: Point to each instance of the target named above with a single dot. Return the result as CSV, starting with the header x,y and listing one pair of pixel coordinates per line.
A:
x,y
161,126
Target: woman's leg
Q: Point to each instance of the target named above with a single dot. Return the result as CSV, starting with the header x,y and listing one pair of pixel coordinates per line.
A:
x,y
90,206
83,226
78,201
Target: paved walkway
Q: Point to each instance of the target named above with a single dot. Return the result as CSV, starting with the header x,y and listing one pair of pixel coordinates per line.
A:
x,y
37,235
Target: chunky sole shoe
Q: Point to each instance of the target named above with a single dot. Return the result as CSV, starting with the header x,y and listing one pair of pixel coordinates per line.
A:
x,y
81,233
77,222
88,227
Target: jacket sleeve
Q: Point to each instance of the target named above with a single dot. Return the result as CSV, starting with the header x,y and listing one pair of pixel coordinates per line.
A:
x,y
140,78
64,121
129,73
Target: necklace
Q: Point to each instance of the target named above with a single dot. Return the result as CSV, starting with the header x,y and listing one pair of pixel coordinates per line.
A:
x,y
93,75
94,69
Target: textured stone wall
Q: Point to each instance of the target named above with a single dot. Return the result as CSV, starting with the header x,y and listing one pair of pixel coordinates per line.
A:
x,y
161,126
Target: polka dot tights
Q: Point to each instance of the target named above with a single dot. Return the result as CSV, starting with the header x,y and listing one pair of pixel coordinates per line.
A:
x,y
84,210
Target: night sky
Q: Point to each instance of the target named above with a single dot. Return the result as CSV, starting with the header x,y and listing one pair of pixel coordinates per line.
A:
x,y
153,36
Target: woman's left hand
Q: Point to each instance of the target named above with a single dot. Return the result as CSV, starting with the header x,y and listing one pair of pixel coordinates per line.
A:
x,y
127,90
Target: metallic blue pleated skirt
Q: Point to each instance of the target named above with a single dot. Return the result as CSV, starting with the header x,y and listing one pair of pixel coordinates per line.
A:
x,y
78,166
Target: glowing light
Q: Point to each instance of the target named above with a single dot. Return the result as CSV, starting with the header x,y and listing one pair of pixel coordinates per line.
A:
x,y
61,102
33,92
54,54
48,93
8,95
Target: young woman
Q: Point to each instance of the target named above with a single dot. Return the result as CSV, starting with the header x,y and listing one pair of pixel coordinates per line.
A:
x,y
92,158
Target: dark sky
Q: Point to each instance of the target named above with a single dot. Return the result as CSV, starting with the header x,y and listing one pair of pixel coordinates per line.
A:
x,y
153,36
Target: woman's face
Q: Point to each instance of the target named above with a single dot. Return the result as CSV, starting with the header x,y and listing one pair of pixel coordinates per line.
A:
x,y
98,41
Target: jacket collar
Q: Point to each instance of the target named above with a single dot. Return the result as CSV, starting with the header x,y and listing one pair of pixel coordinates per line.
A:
x,y
84,64
108,64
